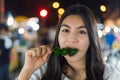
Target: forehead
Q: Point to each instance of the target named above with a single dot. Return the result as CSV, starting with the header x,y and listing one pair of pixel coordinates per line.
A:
x,y
74,20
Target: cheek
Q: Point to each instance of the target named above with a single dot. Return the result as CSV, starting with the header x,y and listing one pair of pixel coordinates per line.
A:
x,y
84,44
62,40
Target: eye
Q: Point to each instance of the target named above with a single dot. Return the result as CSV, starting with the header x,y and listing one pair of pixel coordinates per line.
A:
x,y
82,32
65,30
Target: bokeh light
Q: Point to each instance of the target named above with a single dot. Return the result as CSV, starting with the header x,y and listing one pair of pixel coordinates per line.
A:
x,y
56,5
21,30
103,8
60,11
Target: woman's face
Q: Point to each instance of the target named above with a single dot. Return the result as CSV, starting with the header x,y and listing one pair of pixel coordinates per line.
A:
x,y
73,34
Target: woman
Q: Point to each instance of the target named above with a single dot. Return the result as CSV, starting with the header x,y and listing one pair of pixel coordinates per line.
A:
x,y
76,29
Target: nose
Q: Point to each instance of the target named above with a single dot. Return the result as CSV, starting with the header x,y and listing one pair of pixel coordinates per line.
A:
x,y
72,37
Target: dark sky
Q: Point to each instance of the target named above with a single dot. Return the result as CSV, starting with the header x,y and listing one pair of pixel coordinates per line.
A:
x,y
31,8
28,7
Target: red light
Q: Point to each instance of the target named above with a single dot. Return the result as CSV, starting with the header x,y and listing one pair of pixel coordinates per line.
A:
x,y
43,13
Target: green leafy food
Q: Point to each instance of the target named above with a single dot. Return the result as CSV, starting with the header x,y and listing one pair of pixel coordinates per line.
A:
x,y
64,51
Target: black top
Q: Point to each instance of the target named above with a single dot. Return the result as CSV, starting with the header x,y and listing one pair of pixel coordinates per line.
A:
x,y
4,53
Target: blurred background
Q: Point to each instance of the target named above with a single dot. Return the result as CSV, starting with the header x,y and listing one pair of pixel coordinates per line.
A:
x,y
29,23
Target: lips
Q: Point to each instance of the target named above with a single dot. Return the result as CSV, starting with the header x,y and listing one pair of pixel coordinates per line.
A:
x,y
72,47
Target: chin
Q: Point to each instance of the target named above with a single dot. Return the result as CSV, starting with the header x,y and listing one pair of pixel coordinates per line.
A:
x,y
74,58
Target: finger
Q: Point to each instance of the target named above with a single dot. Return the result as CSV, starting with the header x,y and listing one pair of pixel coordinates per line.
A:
x,y
32,52
38,50
49,51
45,57
44,50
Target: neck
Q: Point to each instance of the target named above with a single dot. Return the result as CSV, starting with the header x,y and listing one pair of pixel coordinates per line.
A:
x,y
78,65
80,70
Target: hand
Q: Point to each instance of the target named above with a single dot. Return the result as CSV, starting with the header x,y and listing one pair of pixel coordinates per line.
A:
x,y
36,57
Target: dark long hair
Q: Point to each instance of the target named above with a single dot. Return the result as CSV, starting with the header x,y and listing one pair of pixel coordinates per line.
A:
x,y
94,63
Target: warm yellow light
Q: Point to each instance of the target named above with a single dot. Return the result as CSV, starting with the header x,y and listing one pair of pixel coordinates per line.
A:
x,y
59,16
118,22
103,8
60,11
56,5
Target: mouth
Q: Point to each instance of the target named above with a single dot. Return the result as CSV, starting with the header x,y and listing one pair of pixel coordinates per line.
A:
x,y
70,46
65,51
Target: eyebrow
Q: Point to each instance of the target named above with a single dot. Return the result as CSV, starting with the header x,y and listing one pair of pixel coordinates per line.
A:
x,y
69,26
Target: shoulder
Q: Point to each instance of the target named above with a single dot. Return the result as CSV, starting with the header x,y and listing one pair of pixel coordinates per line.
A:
x,y
111,73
